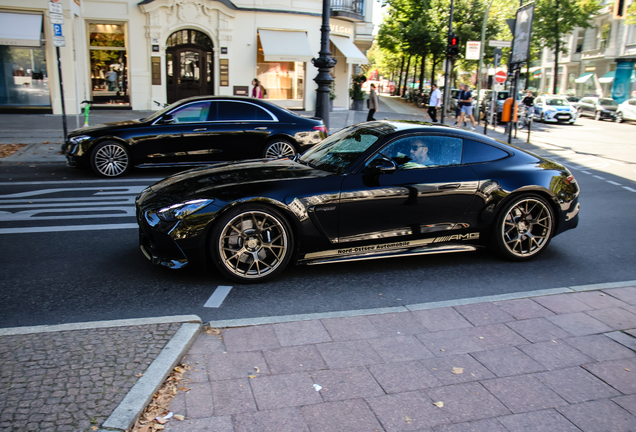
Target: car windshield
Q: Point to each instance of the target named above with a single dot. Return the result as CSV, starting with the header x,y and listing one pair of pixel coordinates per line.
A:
x,y
336,153
573,98
607,102
159,113
558,102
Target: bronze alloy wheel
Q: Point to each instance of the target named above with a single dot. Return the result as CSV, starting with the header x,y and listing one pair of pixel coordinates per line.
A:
x,y
524,228
110,159
252,243
279,149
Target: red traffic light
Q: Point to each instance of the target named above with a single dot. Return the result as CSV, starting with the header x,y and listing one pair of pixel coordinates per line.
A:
x,y
453,41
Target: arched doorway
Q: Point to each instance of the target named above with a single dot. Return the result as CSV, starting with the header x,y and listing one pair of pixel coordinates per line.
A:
x,y
189,65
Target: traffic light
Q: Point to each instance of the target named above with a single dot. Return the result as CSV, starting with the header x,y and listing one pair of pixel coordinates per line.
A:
x,y
453,45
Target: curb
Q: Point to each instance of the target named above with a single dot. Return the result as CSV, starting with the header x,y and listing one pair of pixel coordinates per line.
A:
x,y
420,306
133,404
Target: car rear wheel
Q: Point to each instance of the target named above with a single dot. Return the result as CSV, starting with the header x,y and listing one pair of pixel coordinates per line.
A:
x,y
279,149
251,243
619,117
110,159
524,228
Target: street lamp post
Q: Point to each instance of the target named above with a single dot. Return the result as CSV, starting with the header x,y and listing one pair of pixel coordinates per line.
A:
x,y
447,89
324,62
481,59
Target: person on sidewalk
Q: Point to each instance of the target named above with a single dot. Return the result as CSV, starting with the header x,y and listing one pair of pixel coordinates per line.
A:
x,y
434,102
465,101
458,108
373,103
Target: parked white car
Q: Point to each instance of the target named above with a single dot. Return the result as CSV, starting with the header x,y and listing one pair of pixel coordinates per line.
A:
x,y
626,111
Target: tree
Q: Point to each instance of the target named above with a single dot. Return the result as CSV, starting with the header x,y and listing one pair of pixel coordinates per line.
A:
x,y
630,16
554,19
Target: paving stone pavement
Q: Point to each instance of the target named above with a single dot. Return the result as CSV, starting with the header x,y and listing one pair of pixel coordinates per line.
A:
x,y
536,364
73,380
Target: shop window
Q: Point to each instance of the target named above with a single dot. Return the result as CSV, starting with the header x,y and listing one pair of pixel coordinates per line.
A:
x,y
282,80
23,78
109,64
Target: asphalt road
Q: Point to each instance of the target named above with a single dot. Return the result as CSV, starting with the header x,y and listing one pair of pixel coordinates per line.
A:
x,y
55,270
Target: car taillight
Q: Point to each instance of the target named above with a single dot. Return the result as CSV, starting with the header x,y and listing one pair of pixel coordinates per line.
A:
x,y
321,128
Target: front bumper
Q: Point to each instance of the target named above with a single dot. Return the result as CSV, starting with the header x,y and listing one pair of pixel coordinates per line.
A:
x,y
560,116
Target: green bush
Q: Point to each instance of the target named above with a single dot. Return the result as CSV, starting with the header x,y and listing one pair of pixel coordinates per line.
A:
x,y
355,92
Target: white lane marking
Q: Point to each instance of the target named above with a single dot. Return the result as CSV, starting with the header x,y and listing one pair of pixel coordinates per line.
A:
x,y
598,177
110,181
584,172
33,214
77,204
28,230
609,181
629,189
218,296
100,191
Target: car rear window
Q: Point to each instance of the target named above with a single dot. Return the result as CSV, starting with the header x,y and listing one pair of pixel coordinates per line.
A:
x,y
476,152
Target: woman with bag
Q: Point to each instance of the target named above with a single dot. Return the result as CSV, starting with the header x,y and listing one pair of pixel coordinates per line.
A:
x,y
372,103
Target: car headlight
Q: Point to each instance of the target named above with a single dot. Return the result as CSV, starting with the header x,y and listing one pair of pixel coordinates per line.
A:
x,y
179,211
78,139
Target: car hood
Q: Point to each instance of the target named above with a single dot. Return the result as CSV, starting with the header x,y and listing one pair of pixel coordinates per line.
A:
x,y
223,180
104,127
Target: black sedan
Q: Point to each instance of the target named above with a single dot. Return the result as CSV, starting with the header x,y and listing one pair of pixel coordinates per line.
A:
x,y
599,108
373,190
191,132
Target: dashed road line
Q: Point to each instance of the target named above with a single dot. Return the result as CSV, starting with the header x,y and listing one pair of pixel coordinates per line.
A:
x,y
218,296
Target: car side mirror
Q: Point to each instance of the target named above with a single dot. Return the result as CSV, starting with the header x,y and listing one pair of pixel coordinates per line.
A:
x,y
381,165
166,119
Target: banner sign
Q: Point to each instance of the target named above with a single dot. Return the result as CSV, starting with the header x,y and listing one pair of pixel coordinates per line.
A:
x,y
473,49
523,33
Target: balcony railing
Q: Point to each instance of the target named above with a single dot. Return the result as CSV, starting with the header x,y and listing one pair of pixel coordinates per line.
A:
x,y
347,6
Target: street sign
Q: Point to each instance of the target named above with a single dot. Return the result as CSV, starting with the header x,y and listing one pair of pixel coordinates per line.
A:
x,y
56,7
57,30
56,18
501,76
499,87
473,49
59,41
500,44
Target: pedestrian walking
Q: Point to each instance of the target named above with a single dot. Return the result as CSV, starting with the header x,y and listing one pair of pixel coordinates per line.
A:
x,y
372,103
465,101
434,102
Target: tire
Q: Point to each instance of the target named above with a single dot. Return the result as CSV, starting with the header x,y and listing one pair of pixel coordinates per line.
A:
x,y
524,228
619,117
110,159
279,148
251,243
542,118
597,116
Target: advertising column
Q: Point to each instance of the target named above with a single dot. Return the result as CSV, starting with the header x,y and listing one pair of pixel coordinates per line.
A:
x,y
622,81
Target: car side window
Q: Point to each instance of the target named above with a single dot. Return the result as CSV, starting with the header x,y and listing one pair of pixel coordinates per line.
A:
x,y
192,113
424,151
476,152
632,102
240,111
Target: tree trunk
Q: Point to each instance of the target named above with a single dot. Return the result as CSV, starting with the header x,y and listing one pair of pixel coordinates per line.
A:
x,y
415,71
406,76
433,70
422,72
397,89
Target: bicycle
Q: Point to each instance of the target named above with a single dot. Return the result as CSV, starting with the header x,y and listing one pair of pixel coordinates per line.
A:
x,y
524,117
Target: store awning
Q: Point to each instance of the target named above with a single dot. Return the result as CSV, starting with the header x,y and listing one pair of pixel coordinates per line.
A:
x,y
607,78
286,46
584,77
350,51
18,29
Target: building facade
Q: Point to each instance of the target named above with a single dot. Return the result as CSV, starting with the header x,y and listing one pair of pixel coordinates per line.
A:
x,y
594,56
132,54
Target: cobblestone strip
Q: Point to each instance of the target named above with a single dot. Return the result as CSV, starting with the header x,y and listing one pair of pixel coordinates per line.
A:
x,y
73,380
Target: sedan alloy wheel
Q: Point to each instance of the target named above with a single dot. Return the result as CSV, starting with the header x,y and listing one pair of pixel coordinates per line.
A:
x,y
279,149
251,244
110,159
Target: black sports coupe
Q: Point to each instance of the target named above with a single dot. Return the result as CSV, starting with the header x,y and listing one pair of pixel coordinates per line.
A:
x,y
191,132
372,190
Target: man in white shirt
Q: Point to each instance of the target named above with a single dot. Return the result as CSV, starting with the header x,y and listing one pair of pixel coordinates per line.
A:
x,y
434,102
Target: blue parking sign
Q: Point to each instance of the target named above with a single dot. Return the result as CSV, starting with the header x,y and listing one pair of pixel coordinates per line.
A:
x,y
57,29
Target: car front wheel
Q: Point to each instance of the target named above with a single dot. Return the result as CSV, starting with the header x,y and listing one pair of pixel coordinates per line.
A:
x,y
252,243
279,149
110,159
619,117
524,228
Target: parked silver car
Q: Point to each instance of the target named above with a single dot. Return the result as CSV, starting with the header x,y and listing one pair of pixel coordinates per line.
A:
x,y
626,111
599,108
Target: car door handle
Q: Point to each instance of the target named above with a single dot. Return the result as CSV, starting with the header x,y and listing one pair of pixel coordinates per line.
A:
x,y
261,128
200,129
449,186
